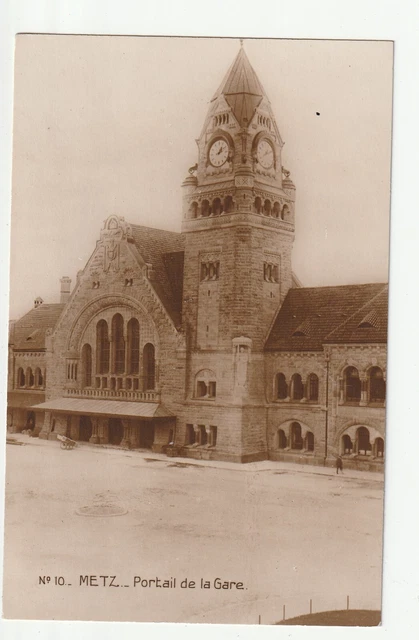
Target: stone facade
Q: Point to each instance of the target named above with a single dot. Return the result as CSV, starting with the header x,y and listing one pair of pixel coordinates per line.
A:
x,y
195,344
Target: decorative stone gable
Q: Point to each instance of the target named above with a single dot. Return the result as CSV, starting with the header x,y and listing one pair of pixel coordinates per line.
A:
x,y
115,230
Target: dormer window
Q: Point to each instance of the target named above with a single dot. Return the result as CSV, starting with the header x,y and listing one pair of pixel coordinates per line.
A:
x,y
371,320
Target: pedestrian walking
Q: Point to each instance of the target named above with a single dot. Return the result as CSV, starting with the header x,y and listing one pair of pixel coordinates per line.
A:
x,y
339,464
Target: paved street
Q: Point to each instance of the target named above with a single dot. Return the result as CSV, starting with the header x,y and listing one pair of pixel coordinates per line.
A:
x,y
288,533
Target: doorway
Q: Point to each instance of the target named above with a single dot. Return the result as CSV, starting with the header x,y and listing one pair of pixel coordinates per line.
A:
x,y
116,431
85,428
146,435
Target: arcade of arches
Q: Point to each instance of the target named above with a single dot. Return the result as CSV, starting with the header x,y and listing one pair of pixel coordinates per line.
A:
x,y
357,441
129,433
115,359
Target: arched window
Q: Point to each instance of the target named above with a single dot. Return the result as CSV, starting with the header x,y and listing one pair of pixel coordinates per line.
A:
x,y
20,377
258,205
297,387
379,448
118,343
267,208
296,437
149,367
228,204
347,444
276,210
281,387
217,207
352,385
377,385
205,384
86,359
285,212
102,347
134,346
282,439
39,381
309,441
30,378
190,434
193,209
363,441
205,209
313,387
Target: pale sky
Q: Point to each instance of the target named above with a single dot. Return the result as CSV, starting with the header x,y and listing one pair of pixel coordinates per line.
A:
x,y
107,124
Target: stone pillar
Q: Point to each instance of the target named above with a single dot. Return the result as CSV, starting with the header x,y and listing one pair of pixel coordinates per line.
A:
x,y
46,427
208,430
126,440
305,392
241,355
74,428
364,392
127,358
19,420
111,355
197,434
94,438
341,390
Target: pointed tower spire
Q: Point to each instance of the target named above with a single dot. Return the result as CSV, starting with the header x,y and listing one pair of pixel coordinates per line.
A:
x,y
241,88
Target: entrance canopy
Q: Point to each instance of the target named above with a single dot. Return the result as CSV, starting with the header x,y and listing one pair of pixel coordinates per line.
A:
x,y
112,408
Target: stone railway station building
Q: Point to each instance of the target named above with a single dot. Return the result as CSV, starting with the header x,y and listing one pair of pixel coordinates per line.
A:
x,y
203,343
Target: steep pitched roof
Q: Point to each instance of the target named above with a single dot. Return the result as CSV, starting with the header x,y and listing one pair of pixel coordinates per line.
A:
x,y
28,333
309,317
241,88
164,250
367,324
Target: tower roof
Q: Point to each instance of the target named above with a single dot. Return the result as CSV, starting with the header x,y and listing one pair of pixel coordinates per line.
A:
x,y
241,88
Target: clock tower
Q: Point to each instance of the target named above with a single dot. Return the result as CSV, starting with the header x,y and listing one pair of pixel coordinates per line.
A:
x,y
238,223
238,217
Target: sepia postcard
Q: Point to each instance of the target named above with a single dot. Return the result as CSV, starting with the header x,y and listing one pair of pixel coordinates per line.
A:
x,y
197,355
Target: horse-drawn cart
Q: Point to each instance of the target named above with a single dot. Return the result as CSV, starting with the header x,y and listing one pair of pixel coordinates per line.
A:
x,y
66,443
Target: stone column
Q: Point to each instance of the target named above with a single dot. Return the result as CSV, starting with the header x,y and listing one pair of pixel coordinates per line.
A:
x,y
46,427
341,391
126,440
197,435
74,428
16,420
208,430
364,392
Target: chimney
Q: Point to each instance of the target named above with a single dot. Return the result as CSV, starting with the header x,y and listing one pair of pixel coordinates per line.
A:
x,y
37,302
65,289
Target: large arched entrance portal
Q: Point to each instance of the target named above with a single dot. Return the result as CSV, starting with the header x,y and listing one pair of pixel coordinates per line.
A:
x,y
116,431
85,428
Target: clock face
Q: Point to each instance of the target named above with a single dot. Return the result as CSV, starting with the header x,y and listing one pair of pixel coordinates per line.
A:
x,y
265,154
218,153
